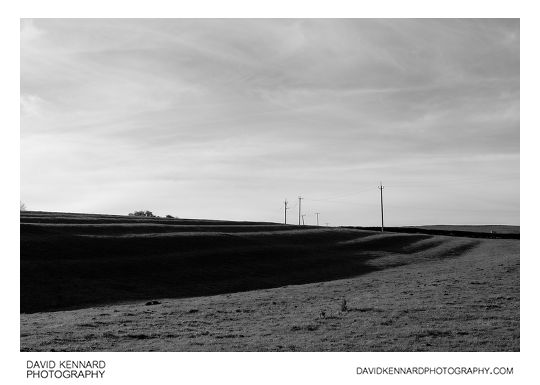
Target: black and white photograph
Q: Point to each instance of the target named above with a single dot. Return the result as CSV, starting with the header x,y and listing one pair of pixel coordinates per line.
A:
x,y
269,185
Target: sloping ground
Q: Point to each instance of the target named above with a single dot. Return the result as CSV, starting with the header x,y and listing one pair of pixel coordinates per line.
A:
x,y
76,260
483,231
444,299
498,229
241,286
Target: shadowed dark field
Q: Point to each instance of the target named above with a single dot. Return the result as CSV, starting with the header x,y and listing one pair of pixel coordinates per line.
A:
x,y
87,262
470,231
78,261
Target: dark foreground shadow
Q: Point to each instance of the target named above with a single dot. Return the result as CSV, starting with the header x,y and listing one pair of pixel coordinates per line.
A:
x,y
63,270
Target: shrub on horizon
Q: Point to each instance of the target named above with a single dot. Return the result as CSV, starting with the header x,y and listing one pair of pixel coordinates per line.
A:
x,y
142,213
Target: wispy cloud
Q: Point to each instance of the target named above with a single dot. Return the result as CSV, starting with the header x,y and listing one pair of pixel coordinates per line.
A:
x,y
225,118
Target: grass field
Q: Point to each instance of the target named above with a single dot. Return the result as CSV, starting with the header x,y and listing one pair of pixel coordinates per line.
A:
x,y
243,286
498,229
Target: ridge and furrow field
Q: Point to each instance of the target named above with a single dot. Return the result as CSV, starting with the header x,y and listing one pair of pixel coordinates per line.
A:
x,y
74,266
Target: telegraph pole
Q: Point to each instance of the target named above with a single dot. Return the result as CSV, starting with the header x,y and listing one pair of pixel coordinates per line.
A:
x,y
299,209
317,214
381,187
286,208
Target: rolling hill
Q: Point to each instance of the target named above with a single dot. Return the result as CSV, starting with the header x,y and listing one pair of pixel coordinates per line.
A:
x,y
76,266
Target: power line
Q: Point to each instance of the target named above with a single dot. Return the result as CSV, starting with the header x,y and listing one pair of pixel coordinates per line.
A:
x,y
330,198
416,184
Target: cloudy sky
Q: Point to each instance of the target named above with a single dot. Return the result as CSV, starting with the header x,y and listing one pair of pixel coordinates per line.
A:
x,y
224,119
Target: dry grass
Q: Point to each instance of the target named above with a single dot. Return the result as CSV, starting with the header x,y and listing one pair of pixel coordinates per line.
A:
x,y
417,293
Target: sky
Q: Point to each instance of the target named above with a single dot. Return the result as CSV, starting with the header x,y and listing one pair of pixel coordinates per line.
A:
x,y
227,118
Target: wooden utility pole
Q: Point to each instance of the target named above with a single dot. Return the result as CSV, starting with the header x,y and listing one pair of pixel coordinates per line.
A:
x,y
381,187
317,214
299,210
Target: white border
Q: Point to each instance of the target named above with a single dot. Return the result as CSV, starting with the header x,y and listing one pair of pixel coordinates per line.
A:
x,y
268,368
